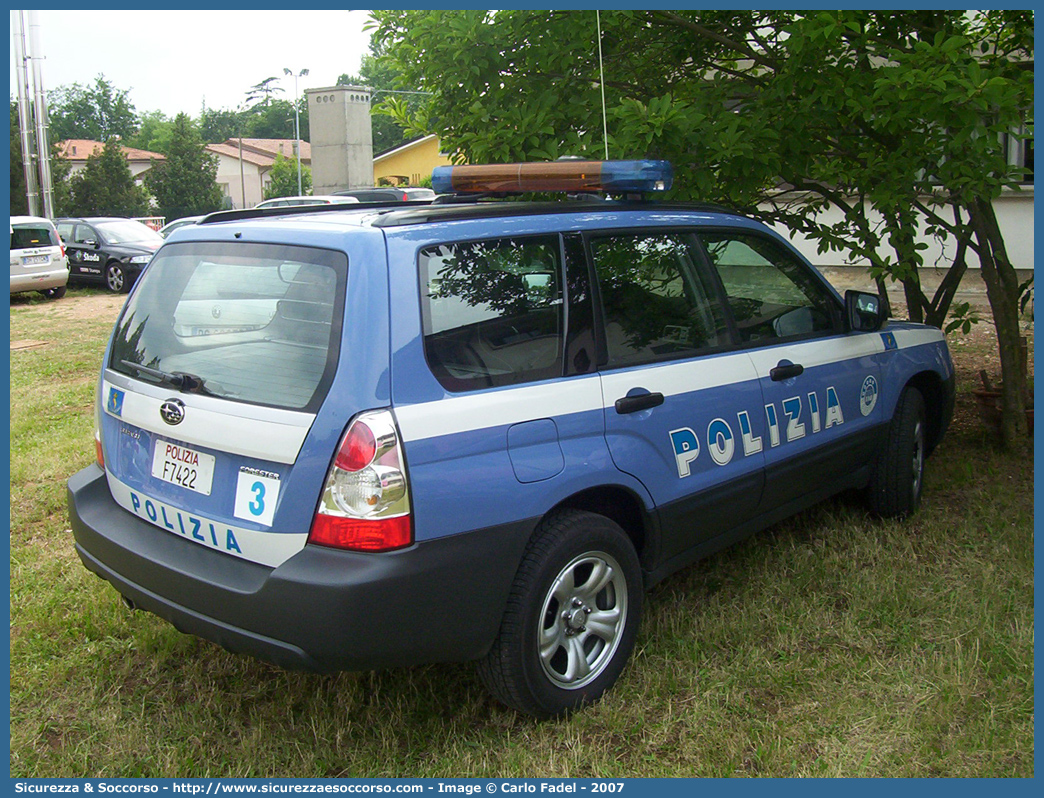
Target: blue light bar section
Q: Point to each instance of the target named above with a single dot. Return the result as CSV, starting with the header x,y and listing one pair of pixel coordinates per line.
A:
x,y
637,175
442,179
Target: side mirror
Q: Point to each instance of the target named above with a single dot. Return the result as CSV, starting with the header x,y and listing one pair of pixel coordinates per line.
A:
x,y
863,312
90,242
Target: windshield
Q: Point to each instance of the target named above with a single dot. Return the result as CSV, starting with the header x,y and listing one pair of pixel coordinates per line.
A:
x,y
127,232
253,323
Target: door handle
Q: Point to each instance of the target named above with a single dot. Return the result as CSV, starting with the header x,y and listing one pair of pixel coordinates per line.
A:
x,y
785,370
632,404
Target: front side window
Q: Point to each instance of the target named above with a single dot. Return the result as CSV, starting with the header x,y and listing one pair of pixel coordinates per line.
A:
x,y
770,292
127,232
492,311
248,322
655,305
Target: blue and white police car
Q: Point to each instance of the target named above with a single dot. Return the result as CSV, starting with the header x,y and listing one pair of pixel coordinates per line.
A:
x,y
341,438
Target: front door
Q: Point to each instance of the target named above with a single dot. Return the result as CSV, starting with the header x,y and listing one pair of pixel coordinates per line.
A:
x,y
819,385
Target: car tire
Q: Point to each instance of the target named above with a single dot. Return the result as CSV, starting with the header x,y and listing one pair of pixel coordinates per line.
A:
x,y
54,293
116,278
550,657
898,477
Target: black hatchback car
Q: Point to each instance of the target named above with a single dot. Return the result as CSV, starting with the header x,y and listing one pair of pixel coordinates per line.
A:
x,y
108,250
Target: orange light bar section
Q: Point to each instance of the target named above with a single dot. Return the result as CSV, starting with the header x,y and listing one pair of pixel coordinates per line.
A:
x,y
515,177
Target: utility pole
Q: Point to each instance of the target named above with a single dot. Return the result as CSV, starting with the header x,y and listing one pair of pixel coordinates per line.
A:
x,y
297,124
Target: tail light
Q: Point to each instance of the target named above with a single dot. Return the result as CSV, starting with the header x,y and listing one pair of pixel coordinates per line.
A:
x,y
365,504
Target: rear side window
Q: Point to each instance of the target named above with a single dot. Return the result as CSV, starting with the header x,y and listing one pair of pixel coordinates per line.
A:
x,y
492,311
655,304
30,236
251,322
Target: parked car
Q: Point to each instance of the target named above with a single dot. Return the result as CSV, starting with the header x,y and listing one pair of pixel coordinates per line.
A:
x,y
318,199
38,259
108,250
359,438
170,227
388,194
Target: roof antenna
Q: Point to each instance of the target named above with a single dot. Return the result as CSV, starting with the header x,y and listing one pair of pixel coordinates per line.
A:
x,y
601,82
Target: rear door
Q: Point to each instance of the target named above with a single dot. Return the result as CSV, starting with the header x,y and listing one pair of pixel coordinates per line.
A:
x,y
219,364
677,401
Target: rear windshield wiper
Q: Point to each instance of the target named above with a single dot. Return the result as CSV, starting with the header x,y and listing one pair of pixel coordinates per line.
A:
x,y
189,383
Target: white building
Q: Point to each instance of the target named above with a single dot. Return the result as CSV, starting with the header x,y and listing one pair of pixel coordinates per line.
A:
x,y
245,166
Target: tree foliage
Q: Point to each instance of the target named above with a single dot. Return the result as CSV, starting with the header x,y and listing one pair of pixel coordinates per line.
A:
x,y
106,187
184,184
96,112
18,195
893,119
262,92
284,178
154,132
271,120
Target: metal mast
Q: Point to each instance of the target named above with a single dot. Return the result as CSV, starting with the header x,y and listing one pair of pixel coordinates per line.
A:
x,y
43,149
25,121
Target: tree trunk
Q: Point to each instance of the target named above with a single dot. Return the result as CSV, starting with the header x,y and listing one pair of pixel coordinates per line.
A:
x,y
944,294
1002,290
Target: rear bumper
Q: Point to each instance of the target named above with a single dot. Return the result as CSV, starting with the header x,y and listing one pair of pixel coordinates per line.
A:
x,y
322,609
39,281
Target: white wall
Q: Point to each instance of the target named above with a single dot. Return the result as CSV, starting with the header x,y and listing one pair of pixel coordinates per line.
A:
x,y
1014,213
253,178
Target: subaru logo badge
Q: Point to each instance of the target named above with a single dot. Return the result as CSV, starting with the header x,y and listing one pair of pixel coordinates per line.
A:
x,y
173,411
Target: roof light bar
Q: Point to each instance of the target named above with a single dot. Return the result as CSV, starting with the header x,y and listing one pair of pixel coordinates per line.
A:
x,y
610,176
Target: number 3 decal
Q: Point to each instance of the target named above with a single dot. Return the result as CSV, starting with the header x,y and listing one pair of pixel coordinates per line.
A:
x,y
257,507
256,497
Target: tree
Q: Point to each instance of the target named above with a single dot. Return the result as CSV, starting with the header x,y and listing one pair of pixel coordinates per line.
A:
x,y
892,118
184,184
95,112
273,120
154,132
217,126
263,91
18,196
284,178
106,187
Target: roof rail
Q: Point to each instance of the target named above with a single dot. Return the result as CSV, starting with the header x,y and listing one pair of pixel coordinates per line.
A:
x,y
294,210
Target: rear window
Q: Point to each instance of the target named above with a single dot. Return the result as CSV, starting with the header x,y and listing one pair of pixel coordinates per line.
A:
x,y
28,236
492,311
249,322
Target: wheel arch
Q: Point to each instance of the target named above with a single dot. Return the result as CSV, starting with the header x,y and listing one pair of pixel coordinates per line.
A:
x,y
622,506
938,402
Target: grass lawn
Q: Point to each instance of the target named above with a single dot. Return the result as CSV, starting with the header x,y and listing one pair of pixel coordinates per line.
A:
x,y
833,644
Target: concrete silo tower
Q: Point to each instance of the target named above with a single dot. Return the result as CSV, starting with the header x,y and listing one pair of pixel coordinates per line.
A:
x,y
341,138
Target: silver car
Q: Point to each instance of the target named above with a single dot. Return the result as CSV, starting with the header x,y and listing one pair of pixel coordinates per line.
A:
x,y
38,259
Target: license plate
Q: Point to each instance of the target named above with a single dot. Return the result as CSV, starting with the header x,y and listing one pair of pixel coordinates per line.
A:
x,y
182,466
35,260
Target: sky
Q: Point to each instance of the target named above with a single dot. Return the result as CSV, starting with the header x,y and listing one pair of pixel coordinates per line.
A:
x,y
173,61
